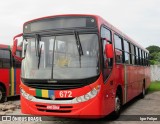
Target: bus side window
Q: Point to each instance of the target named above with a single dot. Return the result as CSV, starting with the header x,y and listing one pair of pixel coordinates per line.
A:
x,y
118,56
139,51
133,54
118,49
105,33
107,62
127,52
16,63
137,56
147,59
142,57
5,56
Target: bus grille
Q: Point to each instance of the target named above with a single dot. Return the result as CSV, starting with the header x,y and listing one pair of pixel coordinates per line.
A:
x,y
55,98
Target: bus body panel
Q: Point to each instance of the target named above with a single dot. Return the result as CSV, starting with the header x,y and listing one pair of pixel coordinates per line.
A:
x,y
10,76
4,79
91,108
18,77
81,110
108,96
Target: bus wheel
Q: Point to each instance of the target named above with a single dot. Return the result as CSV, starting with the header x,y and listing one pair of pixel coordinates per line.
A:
x,y
118,105
3,97
143,92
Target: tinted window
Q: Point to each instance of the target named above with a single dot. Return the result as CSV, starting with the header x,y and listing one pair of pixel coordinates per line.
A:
x,y
133,53
139,53
118,49
118,42
5,59
127,58
137,57
144,60
107,62
126,46
105,33
142,57
127,51
147,63
17,64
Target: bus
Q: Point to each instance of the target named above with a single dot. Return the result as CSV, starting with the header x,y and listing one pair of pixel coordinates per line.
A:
x,y
79,66
9,73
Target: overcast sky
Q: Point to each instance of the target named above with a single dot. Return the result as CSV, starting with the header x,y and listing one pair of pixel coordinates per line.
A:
x,y
139,19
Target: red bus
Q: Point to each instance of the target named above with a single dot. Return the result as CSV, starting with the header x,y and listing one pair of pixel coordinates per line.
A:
x,y
79,66
9,73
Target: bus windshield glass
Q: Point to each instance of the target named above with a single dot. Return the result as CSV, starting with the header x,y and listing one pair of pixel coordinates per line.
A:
x,y
60,57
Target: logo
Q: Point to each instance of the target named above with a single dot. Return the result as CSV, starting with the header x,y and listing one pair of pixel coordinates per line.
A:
x,y
52,97
53,82
6,118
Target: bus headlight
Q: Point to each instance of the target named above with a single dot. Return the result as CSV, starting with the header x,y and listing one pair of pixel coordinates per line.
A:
x,y
94,92
26,95
79,99
86,97
89,95
30,97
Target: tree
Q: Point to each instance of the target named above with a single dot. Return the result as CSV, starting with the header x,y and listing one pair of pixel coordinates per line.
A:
x,y
153,49
154,54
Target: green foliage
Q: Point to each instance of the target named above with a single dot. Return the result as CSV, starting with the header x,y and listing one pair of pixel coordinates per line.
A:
x,y
153,49
154,86
154,54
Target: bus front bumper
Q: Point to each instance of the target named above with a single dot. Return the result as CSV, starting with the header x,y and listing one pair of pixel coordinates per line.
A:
x,y
87,109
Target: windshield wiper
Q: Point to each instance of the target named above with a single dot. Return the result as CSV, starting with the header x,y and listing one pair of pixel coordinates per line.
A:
x,y
39,55
37,48
36,43
79,46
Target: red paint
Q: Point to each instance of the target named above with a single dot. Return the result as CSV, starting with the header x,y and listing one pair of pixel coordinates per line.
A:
x,y
5,74
104,102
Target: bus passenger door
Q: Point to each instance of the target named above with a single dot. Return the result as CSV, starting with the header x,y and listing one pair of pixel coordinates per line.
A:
x,y
107,70
16,70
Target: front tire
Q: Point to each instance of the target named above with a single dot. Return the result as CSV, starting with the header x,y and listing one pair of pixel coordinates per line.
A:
x,y
3,97
118,106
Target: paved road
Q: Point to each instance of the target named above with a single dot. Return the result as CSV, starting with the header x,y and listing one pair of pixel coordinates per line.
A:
x,y
150,105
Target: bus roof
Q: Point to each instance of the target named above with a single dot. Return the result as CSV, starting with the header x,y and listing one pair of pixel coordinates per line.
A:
x,y
4,46
100,21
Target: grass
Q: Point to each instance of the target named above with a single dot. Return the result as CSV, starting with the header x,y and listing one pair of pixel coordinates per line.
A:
x,y
154,86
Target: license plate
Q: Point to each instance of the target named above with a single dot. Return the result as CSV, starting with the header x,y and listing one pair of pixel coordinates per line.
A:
x,y
53,107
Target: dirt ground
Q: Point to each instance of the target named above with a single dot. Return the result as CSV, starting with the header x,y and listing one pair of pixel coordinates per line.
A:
x,y
148,106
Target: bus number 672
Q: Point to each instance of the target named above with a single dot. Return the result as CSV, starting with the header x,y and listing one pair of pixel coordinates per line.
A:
x,y
65,94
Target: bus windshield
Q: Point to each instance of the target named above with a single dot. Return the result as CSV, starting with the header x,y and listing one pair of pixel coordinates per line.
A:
x,y
60,57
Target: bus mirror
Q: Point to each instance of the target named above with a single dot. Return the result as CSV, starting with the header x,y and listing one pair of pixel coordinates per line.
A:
x,y
109,51
14,48
107,40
